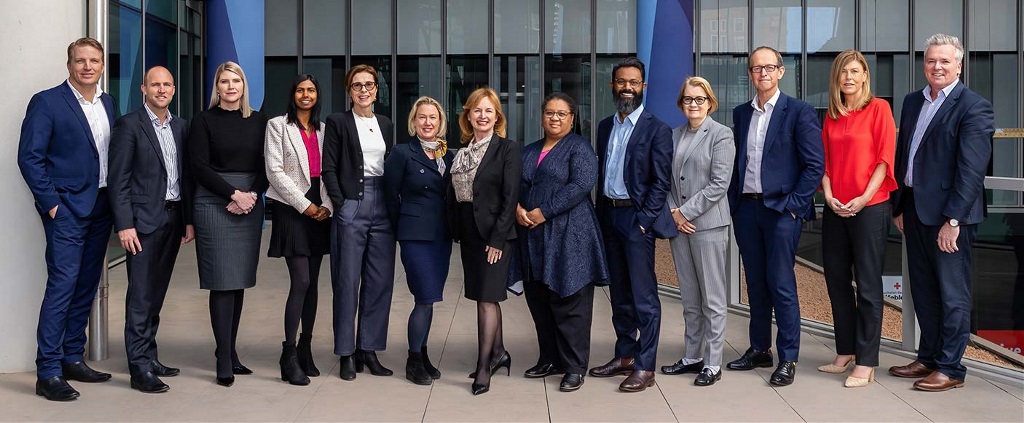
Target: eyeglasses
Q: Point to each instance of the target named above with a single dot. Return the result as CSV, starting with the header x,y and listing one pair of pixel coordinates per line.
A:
x,y
769,68
551,114
357,87
699,100
621,83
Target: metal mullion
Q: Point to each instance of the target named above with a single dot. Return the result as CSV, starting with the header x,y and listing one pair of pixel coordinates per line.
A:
x,y
444,71
593,70
803,50
394,58
490,52
182,8
966,40
696,37
298,38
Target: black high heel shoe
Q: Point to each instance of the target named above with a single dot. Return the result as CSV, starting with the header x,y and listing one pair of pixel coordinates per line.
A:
x,y
240,369
479,388
226,381
505,360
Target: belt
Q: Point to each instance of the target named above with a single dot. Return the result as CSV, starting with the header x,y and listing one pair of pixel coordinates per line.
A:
x,y
615,204
172,205
753,196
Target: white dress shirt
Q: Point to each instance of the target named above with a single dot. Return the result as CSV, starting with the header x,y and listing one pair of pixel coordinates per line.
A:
x,y
928,110
99,123
169,149
755,142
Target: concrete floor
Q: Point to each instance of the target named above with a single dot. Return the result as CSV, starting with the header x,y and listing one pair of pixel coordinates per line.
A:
x,y
186,341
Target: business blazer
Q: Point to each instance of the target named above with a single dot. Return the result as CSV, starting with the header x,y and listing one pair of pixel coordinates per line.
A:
x,y
950,164
495,193
288,164
58,165
138,174
648,167
414,192
701,172
342,170
793,160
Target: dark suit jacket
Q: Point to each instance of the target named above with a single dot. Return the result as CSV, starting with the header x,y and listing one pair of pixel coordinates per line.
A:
x,y
950,164
647,171
415,192
495,193
138,174
342,170
57,153
793,160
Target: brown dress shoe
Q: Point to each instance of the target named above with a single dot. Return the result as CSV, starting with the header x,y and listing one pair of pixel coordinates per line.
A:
x,y
637,381
937,382
915,369
618,366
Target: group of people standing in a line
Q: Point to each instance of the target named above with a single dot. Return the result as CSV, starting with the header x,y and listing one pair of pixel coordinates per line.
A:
x,y
343,187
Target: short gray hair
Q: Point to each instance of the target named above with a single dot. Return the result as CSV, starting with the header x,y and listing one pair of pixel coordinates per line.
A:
x,y
946,40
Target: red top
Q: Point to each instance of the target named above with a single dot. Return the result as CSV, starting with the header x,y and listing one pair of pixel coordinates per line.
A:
x,y
312,152
854,145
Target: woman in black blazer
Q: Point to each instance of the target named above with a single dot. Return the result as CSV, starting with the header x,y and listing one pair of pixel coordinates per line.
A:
x,y
416,175
362,241
481,207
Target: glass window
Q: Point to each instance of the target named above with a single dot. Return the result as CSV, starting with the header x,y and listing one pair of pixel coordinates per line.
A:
x,y
279,72
162,47
324,27
419,27
883,25
986,69
604,104
467,27
833,24
371,27
890,78
384,90
516,27
777,24
729,78
616,26
124,57
163,9
465,74
281,23
571,74
993,25
935,16
723,26
417,76
518,83
567,26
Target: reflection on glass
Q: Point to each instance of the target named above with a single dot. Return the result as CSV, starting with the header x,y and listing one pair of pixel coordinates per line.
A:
x,y
998,281
567,23
465,74
124,58
419,27
163,9
830,25
603,97
571,74
518,86
616,26
777,24
161,49
729,79
516,27
467,21
890,79
417,76
384,88
883,25
723,26
371,27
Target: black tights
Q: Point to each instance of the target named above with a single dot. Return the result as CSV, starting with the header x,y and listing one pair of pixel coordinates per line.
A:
x,y
419,326
300,306
225,313
489,339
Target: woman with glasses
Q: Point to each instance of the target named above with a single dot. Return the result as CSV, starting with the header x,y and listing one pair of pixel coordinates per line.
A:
x,y
701,172
560,248
481,211
301,230
362,241
860,149
225,146
416,177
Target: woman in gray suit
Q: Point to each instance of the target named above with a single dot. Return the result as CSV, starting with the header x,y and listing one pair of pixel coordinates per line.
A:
x,y
701,172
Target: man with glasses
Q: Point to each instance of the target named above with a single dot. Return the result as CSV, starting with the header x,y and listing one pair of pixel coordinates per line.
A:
x,y
635,155
780,160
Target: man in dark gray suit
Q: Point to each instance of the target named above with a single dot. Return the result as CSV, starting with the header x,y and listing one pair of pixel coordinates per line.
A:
x,y
151,199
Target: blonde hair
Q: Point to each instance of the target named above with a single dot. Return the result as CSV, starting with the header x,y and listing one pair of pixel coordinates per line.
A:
x,y
474,98
836,100
232,67
84,42
698,82
441,127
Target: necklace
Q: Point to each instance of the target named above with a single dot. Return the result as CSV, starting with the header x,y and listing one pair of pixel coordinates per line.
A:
x,y
364,120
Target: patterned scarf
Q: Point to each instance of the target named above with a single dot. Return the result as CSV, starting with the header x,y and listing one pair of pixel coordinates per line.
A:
x,y
469,158
433,147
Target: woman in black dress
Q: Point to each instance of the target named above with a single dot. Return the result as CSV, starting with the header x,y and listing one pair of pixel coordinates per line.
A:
x,y
481,207
415,177
300,232
226,151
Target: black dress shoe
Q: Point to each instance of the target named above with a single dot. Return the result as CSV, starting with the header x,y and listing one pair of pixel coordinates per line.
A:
x,y
149,383
784,374
226,381
369,359
55,389
679,368
83,373
160,369
571,382
752,359
240,369
542,370
348,367
706,377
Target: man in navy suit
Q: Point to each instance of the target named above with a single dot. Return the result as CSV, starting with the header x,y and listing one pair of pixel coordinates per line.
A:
x,y
780,160
635,154
945,144
150,195
63,158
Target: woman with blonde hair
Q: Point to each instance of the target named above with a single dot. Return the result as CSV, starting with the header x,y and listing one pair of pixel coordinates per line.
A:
x,y
482,202
416,176
225,146
860,148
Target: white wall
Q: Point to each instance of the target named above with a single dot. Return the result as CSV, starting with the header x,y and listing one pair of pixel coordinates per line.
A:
x,y
35,38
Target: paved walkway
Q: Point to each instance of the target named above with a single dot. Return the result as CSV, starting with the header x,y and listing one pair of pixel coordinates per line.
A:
x,y
186,341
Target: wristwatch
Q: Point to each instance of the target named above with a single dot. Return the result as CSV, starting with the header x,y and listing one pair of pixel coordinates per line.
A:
x,y
954,223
